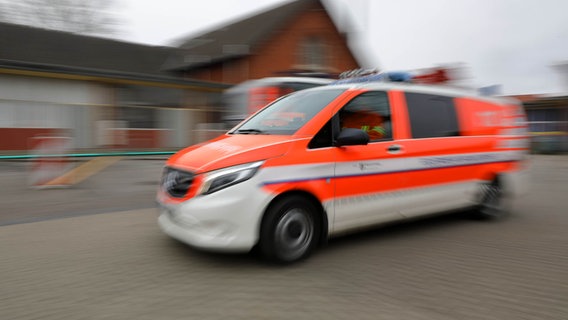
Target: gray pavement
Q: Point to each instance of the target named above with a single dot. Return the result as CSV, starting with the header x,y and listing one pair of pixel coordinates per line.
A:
x,y
118,265
125,185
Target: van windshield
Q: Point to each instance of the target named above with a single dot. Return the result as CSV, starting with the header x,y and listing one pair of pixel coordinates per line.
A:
x,y
288,114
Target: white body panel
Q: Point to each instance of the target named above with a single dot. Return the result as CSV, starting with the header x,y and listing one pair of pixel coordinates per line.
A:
x,y
227,220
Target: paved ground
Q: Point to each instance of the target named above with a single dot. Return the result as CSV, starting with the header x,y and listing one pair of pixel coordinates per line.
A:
x,y
126,185
120,266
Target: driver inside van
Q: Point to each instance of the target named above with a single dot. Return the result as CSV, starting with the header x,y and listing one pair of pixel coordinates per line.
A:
x,y
366,120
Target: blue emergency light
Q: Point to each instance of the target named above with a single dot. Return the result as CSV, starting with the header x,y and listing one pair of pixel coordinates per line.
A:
x,y
393,76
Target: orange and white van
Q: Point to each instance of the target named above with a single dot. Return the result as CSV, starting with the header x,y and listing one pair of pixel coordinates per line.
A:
x,y
294,174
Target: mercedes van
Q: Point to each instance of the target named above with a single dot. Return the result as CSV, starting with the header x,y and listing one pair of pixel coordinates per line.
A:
x,y
338,158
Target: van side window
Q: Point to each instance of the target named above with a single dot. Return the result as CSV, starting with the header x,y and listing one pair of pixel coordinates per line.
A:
x,y
369,112
431,115
324,138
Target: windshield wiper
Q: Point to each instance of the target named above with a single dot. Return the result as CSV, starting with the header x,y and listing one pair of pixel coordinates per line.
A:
x,y
250,131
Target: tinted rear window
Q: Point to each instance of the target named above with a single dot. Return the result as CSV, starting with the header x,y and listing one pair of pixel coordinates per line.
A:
x,y
431,115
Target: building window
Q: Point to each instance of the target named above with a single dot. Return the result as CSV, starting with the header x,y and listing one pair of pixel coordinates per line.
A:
x,y
138,118
312,53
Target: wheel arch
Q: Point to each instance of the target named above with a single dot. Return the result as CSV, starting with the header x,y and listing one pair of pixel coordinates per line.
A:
x,y
322,216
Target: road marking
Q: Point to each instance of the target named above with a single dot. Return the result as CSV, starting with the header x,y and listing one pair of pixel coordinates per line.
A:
x,y
83,171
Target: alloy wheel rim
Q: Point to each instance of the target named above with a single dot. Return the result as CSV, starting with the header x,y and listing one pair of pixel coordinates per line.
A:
x,y
294,233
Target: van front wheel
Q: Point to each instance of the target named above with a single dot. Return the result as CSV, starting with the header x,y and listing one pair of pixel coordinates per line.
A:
x,y
289,231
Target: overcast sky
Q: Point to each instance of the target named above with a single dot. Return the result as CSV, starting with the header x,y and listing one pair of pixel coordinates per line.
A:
x,y
513,43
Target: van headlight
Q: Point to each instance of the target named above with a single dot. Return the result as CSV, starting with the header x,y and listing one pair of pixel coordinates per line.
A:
x,y
220,179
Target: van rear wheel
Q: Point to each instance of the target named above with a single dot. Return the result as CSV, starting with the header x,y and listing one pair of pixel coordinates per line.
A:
x,y
290,230
493,203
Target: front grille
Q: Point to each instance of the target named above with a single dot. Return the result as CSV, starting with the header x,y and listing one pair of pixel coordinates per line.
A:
x,y
176,182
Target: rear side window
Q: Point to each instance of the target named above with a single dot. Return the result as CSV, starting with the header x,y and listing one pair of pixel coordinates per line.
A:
x,y
431,115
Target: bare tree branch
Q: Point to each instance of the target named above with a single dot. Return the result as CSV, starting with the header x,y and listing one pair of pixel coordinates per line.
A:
x,y
92,17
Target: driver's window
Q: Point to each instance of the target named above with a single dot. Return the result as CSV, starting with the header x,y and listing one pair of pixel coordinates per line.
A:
x,y
369,112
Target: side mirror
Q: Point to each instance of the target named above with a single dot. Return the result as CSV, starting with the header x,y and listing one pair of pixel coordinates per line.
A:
x,y
352,137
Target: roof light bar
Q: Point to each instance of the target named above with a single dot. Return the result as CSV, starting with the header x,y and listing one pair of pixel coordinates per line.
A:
x,y
432,76
361,76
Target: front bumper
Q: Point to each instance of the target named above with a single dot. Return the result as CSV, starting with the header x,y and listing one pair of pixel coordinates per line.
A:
x,y
226,221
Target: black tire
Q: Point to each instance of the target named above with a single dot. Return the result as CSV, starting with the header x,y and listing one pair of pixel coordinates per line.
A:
x,y
493,203
290,230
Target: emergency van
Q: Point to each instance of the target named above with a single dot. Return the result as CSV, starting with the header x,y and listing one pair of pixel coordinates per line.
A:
x,y
337,158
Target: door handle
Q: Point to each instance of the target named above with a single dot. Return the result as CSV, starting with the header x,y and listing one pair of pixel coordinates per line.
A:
x,y
394,148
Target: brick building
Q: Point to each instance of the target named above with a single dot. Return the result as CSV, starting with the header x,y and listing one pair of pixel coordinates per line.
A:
x,y
295,37
112,94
